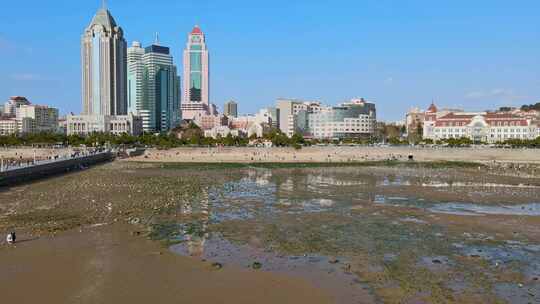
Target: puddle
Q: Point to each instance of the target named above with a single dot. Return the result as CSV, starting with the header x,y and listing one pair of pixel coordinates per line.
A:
x,y
518,293
466,209
479,185
472,209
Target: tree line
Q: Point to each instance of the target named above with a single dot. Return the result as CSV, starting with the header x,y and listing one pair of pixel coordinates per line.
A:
x,y
535,106
191,135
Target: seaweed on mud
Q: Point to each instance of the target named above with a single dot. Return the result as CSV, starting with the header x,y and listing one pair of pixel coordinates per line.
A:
x,y
285,165
308,209
52,220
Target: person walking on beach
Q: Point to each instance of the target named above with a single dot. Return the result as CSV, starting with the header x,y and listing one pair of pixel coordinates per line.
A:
x,y
11,238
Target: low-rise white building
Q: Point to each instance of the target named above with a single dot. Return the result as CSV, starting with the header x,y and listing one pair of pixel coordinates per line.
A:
x,y
293,114
258,129
222,131
483,127
43,118
20,117
61,128
257,124
354,119
87,124
8,126
14,102
19,125
209,121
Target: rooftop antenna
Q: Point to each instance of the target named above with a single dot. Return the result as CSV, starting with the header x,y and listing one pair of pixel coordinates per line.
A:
x,y
104,4
156,42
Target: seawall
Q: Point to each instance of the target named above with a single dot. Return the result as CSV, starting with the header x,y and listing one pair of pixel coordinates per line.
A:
x,y
38,171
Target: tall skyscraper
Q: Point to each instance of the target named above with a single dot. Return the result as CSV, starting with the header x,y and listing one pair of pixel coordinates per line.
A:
x,y
196,99
104,66
135,72
153,87
161,86
231,109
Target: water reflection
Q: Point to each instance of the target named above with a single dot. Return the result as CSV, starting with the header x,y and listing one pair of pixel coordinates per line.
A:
x,y
195,233
272,216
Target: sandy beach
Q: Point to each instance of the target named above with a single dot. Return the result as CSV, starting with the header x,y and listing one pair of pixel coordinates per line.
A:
x,y
338,154
306,154
108,265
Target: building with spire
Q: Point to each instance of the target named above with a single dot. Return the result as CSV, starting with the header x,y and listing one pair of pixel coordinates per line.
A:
x,y
104,81
104,66
196,89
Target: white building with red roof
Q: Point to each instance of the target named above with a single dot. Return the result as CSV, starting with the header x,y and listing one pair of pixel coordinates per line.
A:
x,y
482,127
431,116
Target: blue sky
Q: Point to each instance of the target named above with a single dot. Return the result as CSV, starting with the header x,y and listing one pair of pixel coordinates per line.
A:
x,y
474,54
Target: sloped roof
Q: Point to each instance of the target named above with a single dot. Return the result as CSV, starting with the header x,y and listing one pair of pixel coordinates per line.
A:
x,y
457,116
432,108
453,119
103,17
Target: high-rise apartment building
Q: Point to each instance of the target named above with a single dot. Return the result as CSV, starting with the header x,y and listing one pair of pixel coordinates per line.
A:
x,y
196,92
104,66
230,109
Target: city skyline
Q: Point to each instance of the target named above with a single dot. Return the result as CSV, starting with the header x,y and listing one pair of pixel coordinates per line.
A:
x,y
461,62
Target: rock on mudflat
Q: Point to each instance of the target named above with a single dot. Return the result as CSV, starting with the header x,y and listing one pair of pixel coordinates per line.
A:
x,y
333,260
217,265
256,265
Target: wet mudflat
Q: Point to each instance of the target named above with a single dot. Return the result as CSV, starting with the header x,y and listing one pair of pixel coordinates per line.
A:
x,y
366,234
392,235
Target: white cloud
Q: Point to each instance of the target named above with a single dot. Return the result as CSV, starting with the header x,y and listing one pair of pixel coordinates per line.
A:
x,y
496,94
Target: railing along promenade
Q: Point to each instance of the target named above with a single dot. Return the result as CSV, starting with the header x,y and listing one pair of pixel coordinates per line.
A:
x,y
17,171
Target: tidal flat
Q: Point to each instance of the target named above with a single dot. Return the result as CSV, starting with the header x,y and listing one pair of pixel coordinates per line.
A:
x,y
372,233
